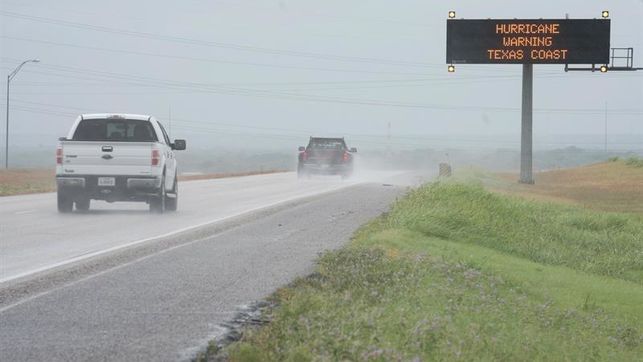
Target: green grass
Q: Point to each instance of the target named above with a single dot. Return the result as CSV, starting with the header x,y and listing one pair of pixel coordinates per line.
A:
x,y
454,272
634,161
602,243
567,287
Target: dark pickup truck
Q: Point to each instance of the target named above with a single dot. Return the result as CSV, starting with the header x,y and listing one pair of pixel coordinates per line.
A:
x,y
326,156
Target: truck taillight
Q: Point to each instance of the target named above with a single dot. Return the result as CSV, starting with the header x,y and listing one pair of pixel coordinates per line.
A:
x,y
347,156
304,155
156,157
59,156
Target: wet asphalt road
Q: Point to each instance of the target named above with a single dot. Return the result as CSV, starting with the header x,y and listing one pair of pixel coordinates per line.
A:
x,y
167,304
35,237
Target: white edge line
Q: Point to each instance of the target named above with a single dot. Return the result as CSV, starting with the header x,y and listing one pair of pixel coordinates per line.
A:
x,y
23,212
92,276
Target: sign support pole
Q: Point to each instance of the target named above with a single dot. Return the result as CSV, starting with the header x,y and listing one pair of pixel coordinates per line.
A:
x,y
526,144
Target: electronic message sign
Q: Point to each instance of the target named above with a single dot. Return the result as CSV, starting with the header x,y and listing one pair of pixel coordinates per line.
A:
x,y
564,41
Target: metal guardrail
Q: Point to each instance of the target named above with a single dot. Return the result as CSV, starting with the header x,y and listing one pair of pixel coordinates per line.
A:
x,y
445,170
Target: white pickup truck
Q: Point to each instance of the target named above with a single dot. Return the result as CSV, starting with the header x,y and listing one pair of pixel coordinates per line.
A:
x,y
117,157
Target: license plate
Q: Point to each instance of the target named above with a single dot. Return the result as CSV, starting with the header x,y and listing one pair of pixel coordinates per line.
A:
x,y
106,181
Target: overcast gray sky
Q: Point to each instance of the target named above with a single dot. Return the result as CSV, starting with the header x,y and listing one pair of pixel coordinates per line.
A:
x,y
238,71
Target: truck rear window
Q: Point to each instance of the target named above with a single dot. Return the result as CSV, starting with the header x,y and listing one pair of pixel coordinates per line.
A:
x,y
115,130
326,143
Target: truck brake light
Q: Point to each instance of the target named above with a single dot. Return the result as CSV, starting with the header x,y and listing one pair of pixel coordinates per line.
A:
x,y
346,156
156,157
59,155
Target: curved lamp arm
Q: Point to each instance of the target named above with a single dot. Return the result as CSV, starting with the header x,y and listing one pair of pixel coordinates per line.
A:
x,y
15,71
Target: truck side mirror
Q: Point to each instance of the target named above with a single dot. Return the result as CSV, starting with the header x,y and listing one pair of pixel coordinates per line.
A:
x,y
302,148
179,145
353,150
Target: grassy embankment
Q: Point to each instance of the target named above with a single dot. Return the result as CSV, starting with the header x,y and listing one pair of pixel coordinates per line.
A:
x,y
611,186
29,181
456,272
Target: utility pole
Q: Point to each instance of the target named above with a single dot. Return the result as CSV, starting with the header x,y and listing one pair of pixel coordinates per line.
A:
x,y
526,147
6,135
605,127
6,139
388,140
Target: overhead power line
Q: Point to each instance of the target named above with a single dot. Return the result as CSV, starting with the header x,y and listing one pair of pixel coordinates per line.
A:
x,y
227,90
238,47
206,60
424,79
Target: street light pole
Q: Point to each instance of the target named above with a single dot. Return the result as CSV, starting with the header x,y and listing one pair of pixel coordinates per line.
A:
x,y
9,78
6,140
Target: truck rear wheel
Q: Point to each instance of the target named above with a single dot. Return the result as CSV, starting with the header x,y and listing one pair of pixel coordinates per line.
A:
x,y
347,174
172,199
157,203
65,203
83,204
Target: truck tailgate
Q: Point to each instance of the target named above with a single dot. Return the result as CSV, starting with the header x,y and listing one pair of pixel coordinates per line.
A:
x,y
324,156
106,158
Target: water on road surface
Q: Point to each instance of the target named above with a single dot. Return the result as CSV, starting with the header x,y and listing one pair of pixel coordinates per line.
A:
x,y
35,237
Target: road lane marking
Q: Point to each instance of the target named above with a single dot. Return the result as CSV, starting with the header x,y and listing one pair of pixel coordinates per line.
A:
x,y
92,276
24,212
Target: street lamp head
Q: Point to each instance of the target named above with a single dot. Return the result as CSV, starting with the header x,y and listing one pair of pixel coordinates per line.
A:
x,y
35,60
